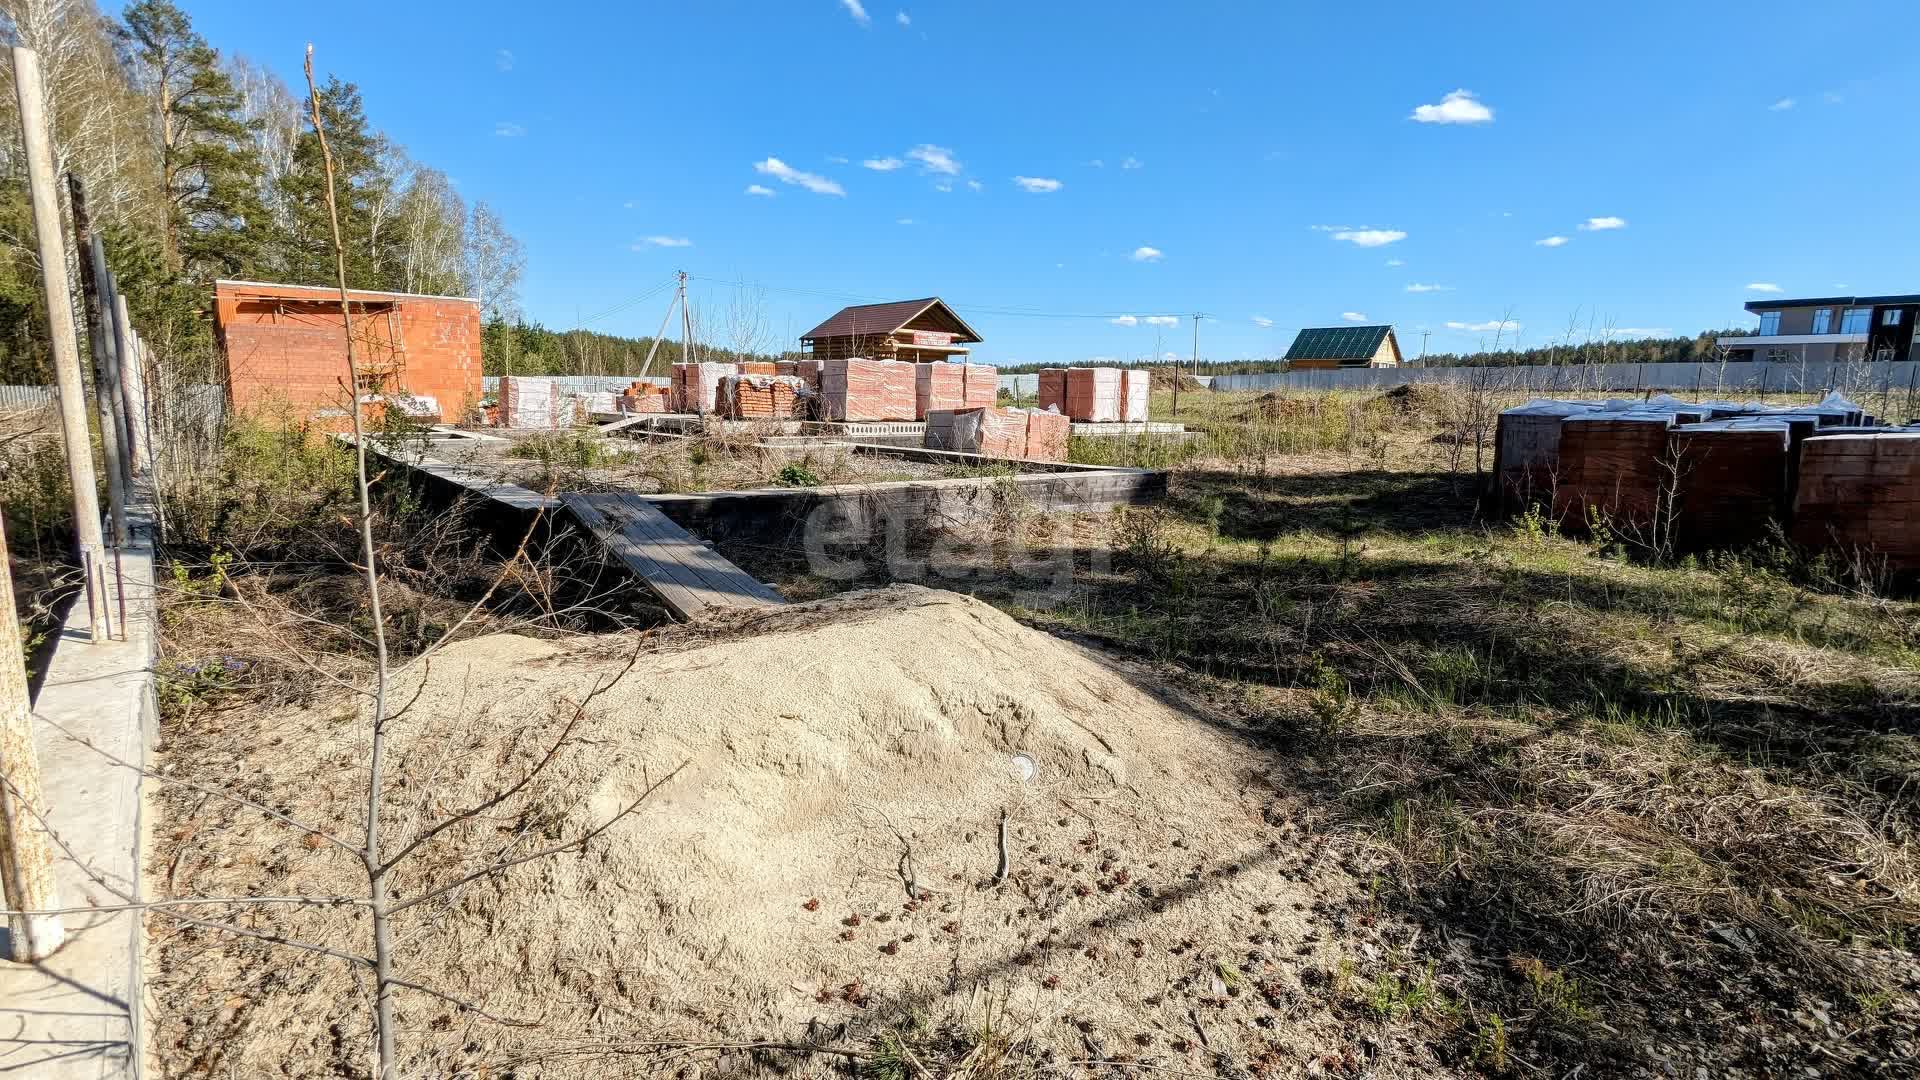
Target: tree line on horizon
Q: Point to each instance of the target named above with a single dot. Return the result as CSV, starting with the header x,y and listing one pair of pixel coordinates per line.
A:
x,y
1700,348
200,166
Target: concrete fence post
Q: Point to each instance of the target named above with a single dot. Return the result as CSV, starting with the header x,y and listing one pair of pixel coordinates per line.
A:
x,y
26,856
66,348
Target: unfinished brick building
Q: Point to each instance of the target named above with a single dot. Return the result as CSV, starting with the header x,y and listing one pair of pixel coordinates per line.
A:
x,y
284,349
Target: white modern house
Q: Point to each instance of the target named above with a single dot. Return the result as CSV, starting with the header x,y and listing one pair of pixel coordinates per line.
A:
x,y
1828,328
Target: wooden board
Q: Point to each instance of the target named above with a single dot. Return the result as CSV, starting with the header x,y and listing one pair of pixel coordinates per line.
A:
x,y
689,577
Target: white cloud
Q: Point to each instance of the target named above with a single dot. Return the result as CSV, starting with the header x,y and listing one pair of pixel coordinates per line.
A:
x,y
629,204
1637,331
1144,253
1125,320
1133,163
1396,262
1459,107
1782,105
1370,237
1262,321
755,189
935,159
1096,163
663,241
905,221
1764,286
1484,327
857,10
943,185
1551,241
506,130
503,60
787,174
884,164
1833,97
903,18
1162,320
1602,224
975,185
1170,357
836,159
1039,185
1423,287
1354,316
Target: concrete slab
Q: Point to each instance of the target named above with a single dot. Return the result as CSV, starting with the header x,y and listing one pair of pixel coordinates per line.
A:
x,y
77,1015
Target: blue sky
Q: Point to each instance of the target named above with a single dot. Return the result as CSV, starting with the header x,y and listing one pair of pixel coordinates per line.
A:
x,y
1275,166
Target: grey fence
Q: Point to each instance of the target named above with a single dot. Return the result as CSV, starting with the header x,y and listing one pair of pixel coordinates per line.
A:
x,y
26,397
1745,378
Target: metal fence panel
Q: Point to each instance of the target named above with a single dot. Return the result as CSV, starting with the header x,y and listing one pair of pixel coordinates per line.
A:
x,y
1746,378
582,384
26,397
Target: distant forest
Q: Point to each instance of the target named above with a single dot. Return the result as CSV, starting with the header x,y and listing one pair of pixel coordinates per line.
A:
x,y
532,349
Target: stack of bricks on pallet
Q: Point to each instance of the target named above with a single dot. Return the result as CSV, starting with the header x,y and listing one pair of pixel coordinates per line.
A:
x,y
1718,474
644,397
939,387
696,386
982,386
528,402
1136,389
1860,494
1096,394
1035,434
1047,434
1093,394
761,397
1610,466
866,390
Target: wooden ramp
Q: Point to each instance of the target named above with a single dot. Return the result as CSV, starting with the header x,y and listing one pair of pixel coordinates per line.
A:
x,y
687,575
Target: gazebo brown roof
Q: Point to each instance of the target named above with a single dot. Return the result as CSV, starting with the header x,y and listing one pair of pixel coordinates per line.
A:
x,y
866,320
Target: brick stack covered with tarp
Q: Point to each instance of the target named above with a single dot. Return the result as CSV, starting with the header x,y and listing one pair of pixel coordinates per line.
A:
x,y
867,390
1034,434
1096,395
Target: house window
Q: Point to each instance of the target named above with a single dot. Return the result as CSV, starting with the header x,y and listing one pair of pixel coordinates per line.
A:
x,y
1823,320
1779,356
1769,323
1855,320
1890,317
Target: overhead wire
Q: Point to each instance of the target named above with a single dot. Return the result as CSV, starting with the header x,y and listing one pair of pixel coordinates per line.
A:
x,y
985,309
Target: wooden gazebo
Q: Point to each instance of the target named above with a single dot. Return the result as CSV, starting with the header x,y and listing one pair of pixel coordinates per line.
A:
x,y
913,330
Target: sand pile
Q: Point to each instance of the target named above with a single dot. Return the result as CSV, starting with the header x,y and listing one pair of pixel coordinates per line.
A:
x,y
827,758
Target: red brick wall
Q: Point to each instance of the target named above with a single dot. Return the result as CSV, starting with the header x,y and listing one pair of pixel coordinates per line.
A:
x,y
284,348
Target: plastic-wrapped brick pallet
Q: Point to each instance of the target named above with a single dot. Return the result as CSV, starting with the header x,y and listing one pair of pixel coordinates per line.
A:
x,y
1093,394
528,402
994,432
698,385
1136,390
982,386
1052,392
866,390
938,386
1047,434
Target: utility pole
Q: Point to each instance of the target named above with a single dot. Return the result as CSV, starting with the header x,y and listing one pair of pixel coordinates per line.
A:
x,y
66,350
686,322
646,369
26,859
1424,335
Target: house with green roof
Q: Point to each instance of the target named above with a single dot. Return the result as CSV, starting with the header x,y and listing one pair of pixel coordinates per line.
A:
x,y
1344,347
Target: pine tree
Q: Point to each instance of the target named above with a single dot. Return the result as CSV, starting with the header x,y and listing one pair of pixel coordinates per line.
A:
x,y
363,186
209,168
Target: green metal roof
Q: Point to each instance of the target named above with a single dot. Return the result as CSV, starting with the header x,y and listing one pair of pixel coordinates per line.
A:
x,y
1338,343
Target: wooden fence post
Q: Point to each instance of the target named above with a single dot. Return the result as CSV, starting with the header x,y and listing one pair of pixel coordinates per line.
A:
x,y
66,348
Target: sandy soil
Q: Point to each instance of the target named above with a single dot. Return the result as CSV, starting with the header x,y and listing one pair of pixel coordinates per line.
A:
x,y
819,862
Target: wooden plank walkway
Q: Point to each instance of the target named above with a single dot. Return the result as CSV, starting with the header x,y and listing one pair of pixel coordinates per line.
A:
x,y
689,577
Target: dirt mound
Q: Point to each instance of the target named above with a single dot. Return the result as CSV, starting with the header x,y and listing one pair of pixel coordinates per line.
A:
x,y
824,859
1422,402
1275,405
1163,379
